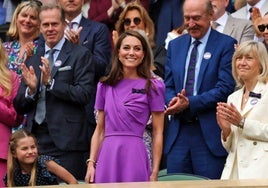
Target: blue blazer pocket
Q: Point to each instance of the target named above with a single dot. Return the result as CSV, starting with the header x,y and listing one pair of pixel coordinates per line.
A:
x,y
66,68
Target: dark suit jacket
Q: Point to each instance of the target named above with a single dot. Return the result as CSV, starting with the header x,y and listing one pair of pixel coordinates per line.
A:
x,y
65,103
169,18
96,37
214,84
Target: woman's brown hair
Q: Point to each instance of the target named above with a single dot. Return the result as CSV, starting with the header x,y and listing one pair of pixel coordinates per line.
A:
x,y
143,70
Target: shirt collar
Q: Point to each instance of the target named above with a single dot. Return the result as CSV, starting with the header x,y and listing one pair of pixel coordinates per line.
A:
x,y
223,19
204,39
258,5
77,19
58,46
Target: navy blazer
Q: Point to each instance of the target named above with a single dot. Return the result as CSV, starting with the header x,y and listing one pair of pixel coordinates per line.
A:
x,y
95,36
214,84
170,16
65,104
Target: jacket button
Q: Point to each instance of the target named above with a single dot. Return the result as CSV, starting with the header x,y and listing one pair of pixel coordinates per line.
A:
x,y
254,143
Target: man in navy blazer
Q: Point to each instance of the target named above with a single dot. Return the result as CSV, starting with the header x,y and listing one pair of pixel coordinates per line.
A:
x,y
94,36
193,141
68,85
88,33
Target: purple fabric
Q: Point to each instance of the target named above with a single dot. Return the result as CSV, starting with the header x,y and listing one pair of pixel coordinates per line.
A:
x,y
123,157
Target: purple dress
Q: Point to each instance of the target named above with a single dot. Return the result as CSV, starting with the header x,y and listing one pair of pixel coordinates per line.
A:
x,y
127,107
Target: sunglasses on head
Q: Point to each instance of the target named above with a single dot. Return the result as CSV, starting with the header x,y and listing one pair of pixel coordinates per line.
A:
x,y
262,27
128,21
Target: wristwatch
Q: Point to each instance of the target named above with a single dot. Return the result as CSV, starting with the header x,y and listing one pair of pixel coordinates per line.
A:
x,y
49,82
241,123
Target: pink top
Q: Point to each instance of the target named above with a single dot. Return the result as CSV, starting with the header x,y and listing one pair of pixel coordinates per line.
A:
x,y
8,116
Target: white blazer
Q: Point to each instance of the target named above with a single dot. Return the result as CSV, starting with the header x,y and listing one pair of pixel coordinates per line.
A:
x,y
248,147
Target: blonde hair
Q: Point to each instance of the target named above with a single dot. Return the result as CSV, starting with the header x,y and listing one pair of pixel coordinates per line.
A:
x,y
259,52
5,73
13,163
149,24
13,31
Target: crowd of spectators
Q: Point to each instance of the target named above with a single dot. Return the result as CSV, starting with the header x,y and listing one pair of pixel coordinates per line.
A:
x,y
94,81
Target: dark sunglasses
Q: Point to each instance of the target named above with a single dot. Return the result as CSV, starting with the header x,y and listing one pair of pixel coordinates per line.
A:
x,y
262,27
136,21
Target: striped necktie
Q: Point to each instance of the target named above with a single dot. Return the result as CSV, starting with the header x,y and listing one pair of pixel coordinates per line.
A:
x,y
190,79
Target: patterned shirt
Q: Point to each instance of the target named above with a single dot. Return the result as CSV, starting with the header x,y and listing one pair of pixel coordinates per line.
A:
x,y
13,50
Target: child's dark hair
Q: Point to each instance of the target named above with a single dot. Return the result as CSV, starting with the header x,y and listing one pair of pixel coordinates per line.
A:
x,y
13,163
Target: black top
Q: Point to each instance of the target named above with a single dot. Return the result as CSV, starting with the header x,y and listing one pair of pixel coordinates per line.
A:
x,y
44,177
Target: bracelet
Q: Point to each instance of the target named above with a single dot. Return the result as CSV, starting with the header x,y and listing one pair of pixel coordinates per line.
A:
x,y
91,160
241,123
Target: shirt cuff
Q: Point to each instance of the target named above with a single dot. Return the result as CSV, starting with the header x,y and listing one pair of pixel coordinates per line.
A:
x,y
50,87
27,94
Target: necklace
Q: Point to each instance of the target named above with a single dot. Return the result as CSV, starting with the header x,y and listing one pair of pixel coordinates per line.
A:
x,y
244,101
245,98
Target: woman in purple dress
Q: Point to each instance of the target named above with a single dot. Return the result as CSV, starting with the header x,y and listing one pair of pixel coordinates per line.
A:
x,y
125,99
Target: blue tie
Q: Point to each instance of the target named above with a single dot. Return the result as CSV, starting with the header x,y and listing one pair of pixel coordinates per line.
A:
x,y
51,57
189,86
40,113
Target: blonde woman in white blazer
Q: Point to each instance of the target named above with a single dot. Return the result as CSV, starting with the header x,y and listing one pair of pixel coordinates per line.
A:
x,y
244,118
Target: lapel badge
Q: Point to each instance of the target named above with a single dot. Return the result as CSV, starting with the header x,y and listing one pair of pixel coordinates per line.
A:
x,y
253,101
207,55
58,63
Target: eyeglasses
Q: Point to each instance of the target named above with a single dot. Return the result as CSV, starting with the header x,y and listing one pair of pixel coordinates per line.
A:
x,y
128,21
262,27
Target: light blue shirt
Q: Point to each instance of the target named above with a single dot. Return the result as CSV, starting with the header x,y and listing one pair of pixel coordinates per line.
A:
x,y
58,47
76,21
201,51
222,22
